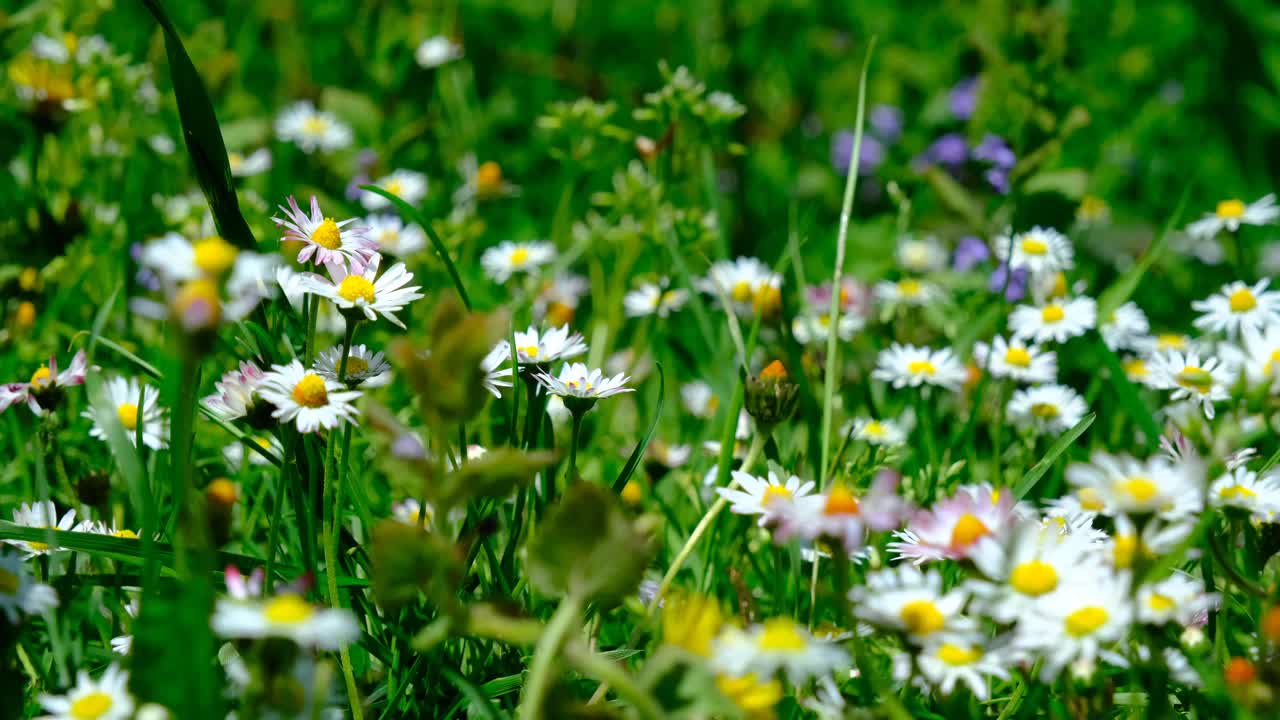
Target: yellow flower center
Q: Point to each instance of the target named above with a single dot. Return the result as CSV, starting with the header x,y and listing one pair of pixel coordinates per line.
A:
x,y
128,414
28,279
773,493
25,316
755,697
921,367
1018,356
968,530
235,160
840,502
41,377
1230,209
288,609
1126,549
632,494
213,255
91,706
1034,246
1140,489
355,287
311,392
1269,366
909,288
327,235
559,313
780,633
1052,313
394,186
1044,411
519,256
741,291
1235,492
874,429
957,655
530,350
922,617
315,125
488,178
8,583
1034,578
1242,300
1086,620
356,365
200,292
1135,368
1171,341
1160,603
1090,499
767,300
1195,378
125,534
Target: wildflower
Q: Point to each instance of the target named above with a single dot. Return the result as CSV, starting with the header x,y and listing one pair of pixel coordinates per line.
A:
x,y
325,241
1178,598
924,255
235,453
770,397
307,399
758,494
812,328
1069,625
287,616
777,644
43,391
495,376
410,512
1054,320
908,365
363,290
654,299
746,281
107,698
953,526
1012,284
408,185
255,163
311,129
436,51
870,155
1128,547
1031,562
364,366
1038,250
910,601
577,381
1230,214
394,236
699,399
43,516
970,252
175,259
548,346
1238,306
1205,382
481,181
1261,355
508,258
1017,360
838,516
1244,489
330,319
884,433
1047,409
236,394
557,300
20,594
962,658
123,397
907,291
1115,484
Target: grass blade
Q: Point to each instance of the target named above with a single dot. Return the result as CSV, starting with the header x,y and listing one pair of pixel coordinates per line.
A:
x,y
1127,394
1058,447
1120,290
638,453
413,215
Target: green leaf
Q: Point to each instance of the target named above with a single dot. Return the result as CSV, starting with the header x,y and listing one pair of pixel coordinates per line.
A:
x,y
1059,446
204,139
413,215
638,453
479,703
1120,290
1069,183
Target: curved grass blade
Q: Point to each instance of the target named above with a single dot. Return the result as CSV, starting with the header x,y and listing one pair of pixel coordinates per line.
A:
x,y
1059,446
412,214
202,135
479,704
638,453
1116,295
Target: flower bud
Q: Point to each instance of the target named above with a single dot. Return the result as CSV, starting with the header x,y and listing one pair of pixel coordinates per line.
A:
x,y
220,500
1239,672
771,397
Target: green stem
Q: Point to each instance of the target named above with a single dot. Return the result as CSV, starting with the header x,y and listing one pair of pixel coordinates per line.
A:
x,y
573,447
544,654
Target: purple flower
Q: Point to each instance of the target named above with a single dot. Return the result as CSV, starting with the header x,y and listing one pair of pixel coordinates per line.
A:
x,y
886,122
963,98
1017,287
870,155
970,251
998,179
950,150
993,149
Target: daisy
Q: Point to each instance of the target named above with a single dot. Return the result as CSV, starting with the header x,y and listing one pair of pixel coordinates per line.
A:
x,y
107,698
912,602
557,300
311,130
952,527
364,366
287,616
1126,328
908,365
1178,598
122,397
1030,563
43,390
1231,214
255,163
546,347
1047,409
481,181
1244,489
839,517
884,433
1038,250
43,516
394,236
1238,306
1056,321
576,380
962,658
409,512
307,399
123,644
1017,360
699,399
20,594
654,299
1158,537
295,291
924,255
508,258
236,393
436,51
746,281
1117,484
758,494
234,454
1261,355
325,241
496,377
813,327
777,644
1071,625
408,185
363,290
1189,378
907,291
174,259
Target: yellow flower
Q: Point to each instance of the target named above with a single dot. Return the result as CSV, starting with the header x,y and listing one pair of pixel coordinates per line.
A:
x,y
691,622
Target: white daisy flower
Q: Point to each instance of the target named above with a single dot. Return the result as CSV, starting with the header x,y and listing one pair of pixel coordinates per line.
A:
x,y
365,367
699,399
409,512
776,644
123,396
496,377
255,163
576,380
286,616
1030,563
508,258
557,300
311,129
907,600
1238,306
907,291
235,395
363,289
325,241
745,280
1242,488
234,454
1038,250
45,385
1261,355
1017,360
1126,329
924,255
1158,537
1231,214
952,527
1118,484
884,433
394,236
43,516
1205,382
908,365
1069,625
295,291
962,658
654,299
1178,598
813,328
757,494
408,185
839,517
123,644
436,51
546,347
1047,409
174,259
307,399
107,698
1055,321
20,594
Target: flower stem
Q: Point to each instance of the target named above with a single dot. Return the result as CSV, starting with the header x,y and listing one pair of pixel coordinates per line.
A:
x,y
573,447
553,637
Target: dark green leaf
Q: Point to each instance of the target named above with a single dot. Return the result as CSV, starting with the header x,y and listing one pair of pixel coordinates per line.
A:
x,y
413,215
638,454
1058,447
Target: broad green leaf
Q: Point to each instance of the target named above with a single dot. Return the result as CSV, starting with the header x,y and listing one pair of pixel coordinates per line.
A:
x,y
1059,446
413,215
638,454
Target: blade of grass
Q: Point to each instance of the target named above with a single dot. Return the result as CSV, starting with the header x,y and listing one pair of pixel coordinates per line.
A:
x,y
638,453
1059,446
413,215
1120,290
1127,394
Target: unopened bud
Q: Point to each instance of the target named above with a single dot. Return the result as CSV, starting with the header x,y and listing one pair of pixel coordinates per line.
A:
x,y
771,397
1239,671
